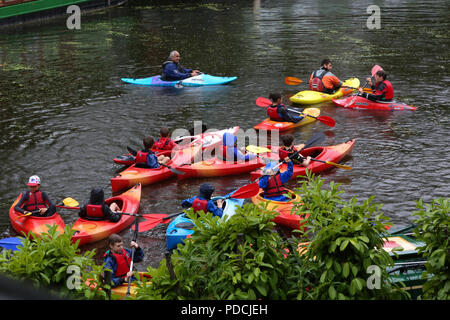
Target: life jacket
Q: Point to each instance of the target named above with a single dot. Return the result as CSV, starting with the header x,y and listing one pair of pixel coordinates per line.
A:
x,y
162,144
123,261
35,201
388,90
199,205
283,152
274,187
141,156
94,211
316,83
273,113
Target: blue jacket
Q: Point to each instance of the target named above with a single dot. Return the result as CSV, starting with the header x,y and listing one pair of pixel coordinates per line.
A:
x,y
284,177
110,263
233,152
211,207
152,161
287,115
173,72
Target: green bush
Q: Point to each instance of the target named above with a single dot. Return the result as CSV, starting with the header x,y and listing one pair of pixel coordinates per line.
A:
x,y
432,229
49,262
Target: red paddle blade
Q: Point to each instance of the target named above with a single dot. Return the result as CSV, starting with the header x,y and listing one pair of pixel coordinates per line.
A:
x,y
152,220
247,191
263,102
327,120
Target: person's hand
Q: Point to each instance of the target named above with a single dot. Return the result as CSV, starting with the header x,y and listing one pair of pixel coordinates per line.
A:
x,y
287,159
219,203
369,81
128,276
307,161
42,211
134,244
361,90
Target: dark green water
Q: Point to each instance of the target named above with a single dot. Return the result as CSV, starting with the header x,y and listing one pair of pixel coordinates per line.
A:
x,y
65,113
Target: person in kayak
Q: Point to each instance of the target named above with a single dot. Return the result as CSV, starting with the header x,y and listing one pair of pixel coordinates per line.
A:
x,y
147,158
173,71
230,151
203,201
118,260
288,150
323,80
96,209
164,142
382,90
35,200
272,181
279,112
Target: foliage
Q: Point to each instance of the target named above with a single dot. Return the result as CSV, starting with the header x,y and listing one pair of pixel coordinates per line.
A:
x,y
433,224
50,261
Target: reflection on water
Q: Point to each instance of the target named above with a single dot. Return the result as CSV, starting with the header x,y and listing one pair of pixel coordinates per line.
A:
x,y
65,114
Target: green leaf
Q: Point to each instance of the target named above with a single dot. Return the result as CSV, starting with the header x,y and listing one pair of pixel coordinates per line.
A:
x,y
261,288
346,270
332,292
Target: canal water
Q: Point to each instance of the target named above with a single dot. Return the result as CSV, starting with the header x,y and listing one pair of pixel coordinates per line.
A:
x,y
65,114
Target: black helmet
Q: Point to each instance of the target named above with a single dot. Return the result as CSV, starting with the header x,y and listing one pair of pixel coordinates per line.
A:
x,y
206,190
97,196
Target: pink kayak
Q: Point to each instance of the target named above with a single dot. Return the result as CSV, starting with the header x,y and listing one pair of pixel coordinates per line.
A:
x,y
358,102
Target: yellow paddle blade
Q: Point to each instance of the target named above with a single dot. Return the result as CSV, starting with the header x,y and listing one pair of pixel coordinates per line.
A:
x,y
292,81
24,215
70,202
342,166
256,149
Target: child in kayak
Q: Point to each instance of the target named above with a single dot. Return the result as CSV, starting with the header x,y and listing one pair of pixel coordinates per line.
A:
x,y
35,200
382,89
164,142
272,180
279,112
117,259
96,209
230,151
203,202
323,80
288,149
147,158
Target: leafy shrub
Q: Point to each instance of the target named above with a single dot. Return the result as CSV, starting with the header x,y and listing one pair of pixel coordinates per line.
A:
x,y
49,260
433,224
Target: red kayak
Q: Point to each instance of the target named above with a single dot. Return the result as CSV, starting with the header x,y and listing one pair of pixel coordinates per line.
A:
x,y
88,231
330,153
358,102
36,225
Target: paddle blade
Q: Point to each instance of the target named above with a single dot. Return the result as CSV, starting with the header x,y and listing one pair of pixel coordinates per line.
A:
x,y
247,191
70,202
173,169
263,102
327,121
342,166
151,221
256,149
292,81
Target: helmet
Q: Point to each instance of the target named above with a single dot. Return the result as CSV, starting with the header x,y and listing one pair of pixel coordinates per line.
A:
x,y
270,169
206,190
34,181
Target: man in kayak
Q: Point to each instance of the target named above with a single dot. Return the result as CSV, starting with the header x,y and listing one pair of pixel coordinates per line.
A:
x,y
173,71
382,90
323,80
96,209
230,151
147,158
272,180
164,142
203,202
35,200
118,260
279,112
288,150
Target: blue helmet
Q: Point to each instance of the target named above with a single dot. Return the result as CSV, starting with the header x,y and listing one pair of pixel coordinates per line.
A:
x,y
271,168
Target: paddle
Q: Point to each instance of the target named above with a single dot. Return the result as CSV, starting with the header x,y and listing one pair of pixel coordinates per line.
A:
x,y
133,249
374,70
11,243
264,103
134,152
29,213
244,192
292,81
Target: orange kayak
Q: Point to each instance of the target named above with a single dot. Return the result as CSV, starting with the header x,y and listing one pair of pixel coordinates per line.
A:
x,y
36,225
88,231
330,153
285,217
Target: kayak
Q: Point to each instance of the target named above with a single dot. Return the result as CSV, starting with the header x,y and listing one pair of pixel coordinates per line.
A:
x,y
285,217
268,124
120,291
328,153
145,176
197,81
358,102
215,167
181,227
208,141
87,231
311,97
32,224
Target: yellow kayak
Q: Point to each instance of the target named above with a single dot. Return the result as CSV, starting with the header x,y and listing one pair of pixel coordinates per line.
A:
x,y
311,97
268,124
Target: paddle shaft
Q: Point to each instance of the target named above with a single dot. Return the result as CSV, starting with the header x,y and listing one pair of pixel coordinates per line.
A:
x,y
133,250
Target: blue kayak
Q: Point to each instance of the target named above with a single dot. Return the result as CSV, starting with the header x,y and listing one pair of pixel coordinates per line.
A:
x,y
11,243
197,81
181,226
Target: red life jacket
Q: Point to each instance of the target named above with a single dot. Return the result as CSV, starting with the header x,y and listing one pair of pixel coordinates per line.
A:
x,y
388,90
35,201
283,153
199,205
316,83
274,187
123,261
141,156
162,144
273,114
94,211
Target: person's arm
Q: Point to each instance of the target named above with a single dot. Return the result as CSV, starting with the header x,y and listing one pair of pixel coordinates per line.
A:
x,y
138,254
111,215
243,157
152,161
187,203
286,175
263,181
111,265
19,205
171,71
82,212
211,207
